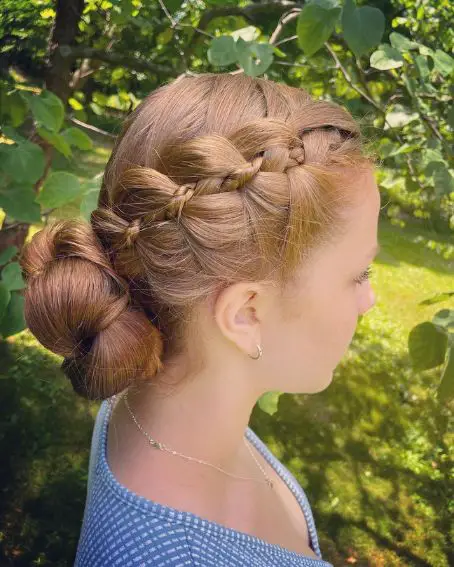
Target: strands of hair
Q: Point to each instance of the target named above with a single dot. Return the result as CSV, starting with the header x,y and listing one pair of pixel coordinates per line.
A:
x,y
214,179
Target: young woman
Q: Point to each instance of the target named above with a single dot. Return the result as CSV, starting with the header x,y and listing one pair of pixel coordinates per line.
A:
x,y
228,256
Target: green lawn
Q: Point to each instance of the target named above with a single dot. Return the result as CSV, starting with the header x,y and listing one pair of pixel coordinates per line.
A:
x,y
374,451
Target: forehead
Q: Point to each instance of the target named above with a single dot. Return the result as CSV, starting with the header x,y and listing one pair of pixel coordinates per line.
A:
x,y
358,239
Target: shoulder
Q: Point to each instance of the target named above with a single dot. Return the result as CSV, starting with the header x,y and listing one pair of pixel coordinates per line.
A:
x,y
118,531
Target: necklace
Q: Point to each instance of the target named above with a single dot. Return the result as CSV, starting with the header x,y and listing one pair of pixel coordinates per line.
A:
x,y
162,447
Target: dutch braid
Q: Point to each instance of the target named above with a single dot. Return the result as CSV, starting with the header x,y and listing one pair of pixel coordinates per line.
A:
x,y
214,179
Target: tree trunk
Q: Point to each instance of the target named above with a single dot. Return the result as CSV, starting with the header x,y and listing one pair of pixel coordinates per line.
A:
x,y
57,80
64,32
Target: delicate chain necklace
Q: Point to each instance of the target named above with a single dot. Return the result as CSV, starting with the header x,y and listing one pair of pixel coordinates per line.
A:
x,y
162,447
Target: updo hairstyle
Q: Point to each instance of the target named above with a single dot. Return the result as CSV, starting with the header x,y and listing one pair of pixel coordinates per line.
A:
x,y
214,179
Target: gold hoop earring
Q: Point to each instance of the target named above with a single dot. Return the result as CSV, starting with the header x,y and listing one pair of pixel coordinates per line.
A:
x,y
259,353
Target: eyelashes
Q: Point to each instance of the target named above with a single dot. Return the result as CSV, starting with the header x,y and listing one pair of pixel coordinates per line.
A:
x,y
364,276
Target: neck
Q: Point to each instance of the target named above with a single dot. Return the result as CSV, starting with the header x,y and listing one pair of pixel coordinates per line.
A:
x,y
204,415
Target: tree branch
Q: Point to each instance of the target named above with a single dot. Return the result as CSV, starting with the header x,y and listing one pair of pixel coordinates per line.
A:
x,y
349,80
140,64
369,99
287,17
248,12
90,127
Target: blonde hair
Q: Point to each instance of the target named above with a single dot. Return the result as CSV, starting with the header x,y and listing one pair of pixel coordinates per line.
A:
x,y
214,179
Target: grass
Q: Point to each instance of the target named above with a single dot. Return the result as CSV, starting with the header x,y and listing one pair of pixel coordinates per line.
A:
x,y
373,452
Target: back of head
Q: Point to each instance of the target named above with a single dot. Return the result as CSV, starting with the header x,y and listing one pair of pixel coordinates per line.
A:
x,y
214,179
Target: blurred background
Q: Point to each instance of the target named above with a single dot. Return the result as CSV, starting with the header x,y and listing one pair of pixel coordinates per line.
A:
x,y
374,451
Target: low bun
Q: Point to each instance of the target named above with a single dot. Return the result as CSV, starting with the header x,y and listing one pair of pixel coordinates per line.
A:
x,y
78,307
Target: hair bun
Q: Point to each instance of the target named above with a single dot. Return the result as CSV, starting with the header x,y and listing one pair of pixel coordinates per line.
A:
x,y
78,307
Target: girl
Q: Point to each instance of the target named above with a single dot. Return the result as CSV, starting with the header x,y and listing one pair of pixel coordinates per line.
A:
x,y
227,257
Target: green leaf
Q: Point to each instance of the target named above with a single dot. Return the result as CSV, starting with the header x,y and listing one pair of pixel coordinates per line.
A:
x,y
437,298
47,109
443,180
164,37
76,137
13,320
13,134
444,318
422,66
7,254
23,162
222,51
12,277
18,201
17,108
254,58
446,386
402,43
424,50
363,27
249,33
269,402
173,5
386,57
390,149
399,117
430,156
90,197
59,188
56,140
5,296
315,25
411,185
77,105
444,63
278,52
427,345
450,117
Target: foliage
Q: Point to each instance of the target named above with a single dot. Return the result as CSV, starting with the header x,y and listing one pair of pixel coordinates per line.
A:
x,y
390,65
388,61
374,451
431,344
22,166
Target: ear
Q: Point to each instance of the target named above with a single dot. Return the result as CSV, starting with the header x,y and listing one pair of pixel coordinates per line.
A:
x,y
237,311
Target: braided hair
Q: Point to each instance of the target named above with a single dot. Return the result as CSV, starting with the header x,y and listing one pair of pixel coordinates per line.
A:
x,y
214,179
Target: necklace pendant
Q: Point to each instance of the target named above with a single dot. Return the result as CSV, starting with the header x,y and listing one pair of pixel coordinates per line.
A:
x,y
270,483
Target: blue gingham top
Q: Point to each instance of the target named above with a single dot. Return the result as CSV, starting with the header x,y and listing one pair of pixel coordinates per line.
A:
x,y
122,528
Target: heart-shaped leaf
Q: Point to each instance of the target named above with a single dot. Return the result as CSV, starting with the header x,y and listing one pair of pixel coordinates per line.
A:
x,y
59,188
47,109
386,57
13,319
363,27
12,277
23,162
254,58
446,387
427,345
222,51
315,25
18,201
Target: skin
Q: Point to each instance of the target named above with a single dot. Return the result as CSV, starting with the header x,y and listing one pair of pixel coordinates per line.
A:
x,y
203,411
